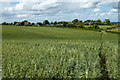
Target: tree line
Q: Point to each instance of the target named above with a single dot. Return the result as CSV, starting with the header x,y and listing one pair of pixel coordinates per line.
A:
x,y
74,24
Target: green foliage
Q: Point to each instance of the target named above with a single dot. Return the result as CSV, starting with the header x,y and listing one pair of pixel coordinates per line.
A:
x,y
59,26
39,23
55,59
55,22
45,22
79,25
107,21
99,20
45,52
15,22
21,24
71,25
51,22
4,23
87,21
95,26
100,23
80,21
33,23
75,21
64,23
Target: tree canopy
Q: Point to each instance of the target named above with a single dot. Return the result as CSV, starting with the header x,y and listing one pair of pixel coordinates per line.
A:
x,y
45,22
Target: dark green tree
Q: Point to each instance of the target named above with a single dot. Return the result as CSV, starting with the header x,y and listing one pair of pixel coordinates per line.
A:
x,y
39,23
14,22
45,22
33,23
95,26
71,25
55,22
11,23
79,25
64,24
87,21
21,24
107,21
51,22
25,21
4,23
60,22
75,21
99,20
80,21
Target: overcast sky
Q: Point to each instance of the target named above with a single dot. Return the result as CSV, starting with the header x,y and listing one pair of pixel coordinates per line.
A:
x,y
37,11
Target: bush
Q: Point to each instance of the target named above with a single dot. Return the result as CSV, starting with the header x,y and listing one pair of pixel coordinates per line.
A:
x,y
79,25
90,27
95,26
71,25
4,23
86,23
59,26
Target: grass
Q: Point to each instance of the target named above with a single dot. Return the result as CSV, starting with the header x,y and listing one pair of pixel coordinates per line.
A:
x,y
45,52
40,33
103,26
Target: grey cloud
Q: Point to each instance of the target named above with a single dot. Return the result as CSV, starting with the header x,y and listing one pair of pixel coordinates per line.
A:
x,y
51,10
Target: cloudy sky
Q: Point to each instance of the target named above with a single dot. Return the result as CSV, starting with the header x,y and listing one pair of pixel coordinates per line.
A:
x,y
56,10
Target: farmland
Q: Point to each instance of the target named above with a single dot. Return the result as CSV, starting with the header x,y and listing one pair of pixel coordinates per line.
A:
x,y
104,26
45,52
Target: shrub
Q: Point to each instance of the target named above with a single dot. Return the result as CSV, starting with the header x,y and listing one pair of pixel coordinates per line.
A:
x,y
71,25
59,26
95,26
80,25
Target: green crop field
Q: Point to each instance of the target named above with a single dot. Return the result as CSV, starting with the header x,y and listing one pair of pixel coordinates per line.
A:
x,y
49,52
103,26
